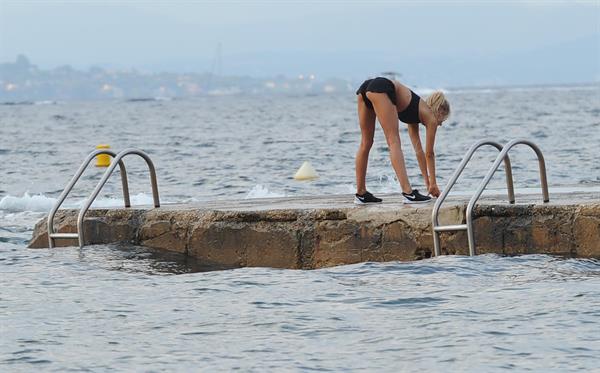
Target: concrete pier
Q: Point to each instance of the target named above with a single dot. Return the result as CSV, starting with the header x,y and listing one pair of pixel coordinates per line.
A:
x,y
331,230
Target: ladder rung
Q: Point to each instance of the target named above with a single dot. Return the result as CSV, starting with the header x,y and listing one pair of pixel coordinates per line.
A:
x,y
448,228
64,235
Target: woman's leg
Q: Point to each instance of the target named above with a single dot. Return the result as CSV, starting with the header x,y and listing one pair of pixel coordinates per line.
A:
x,y
388,118
366,119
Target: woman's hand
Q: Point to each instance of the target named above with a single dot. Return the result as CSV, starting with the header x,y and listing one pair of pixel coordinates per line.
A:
x,y
434,190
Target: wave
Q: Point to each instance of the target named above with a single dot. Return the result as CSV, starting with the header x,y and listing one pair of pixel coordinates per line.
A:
x,y
15,103
512,89
21,103
140,199
36,203
41,203
427,91
149,99
225,91
260,191
140,99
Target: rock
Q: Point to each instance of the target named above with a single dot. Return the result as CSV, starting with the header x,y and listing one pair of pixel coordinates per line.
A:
x,y
329,231
240,245
586,231
100,226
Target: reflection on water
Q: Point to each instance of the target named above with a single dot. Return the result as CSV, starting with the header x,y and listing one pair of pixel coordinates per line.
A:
x,y
129,258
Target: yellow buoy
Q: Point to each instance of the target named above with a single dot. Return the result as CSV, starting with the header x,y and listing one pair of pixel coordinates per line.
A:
x,y
306,172
103,160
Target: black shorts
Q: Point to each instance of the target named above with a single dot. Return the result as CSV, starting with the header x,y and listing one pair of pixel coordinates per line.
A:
x,y
377,85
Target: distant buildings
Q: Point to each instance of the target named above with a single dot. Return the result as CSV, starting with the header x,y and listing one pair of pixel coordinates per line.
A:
x,y
22,81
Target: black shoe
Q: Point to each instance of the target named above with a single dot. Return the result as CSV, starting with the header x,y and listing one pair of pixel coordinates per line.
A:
x,y
360,199
415,197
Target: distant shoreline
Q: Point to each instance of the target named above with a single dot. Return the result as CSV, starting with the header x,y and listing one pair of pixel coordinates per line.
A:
x,y
22,82
5,101
528,86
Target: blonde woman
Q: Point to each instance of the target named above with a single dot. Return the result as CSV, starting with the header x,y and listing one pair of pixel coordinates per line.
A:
x,y
390,101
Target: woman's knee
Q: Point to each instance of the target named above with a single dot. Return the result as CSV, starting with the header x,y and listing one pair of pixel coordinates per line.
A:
x,y
393,142
366,144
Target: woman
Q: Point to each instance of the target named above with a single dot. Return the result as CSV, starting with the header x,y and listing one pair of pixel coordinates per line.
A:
x,y
389,101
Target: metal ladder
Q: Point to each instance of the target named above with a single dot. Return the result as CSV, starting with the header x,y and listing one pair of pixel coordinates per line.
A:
x,y
117,161
502,156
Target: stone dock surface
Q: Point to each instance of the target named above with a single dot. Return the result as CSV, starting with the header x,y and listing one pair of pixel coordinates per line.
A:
x,y
315,232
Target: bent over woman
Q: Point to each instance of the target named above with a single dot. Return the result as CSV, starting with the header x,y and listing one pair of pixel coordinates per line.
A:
x,y
390,101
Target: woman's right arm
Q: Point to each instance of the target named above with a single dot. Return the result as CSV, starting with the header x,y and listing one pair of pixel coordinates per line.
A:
x,y
431,130
431,125
413,132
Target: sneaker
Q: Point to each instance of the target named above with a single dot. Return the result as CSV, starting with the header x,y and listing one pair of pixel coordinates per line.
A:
x,y
415,197
360,199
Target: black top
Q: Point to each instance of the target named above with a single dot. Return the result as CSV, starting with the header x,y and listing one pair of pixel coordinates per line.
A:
x,y
411,113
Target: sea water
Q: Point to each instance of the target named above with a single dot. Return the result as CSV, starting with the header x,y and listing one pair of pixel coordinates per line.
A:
x,y
130,308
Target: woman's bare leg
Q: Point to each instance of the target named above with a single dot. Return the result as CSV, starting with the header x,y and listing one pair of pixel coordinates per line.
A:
x,y
366,119
388,118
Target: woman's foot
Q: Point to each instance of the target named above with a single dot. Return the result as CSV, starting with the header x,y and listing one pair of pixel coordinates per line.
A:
x,y
415,197
367,197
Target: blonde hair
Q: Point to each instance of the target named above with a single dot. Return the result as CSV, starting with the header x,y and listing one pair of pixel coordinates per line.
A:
x,y
439,105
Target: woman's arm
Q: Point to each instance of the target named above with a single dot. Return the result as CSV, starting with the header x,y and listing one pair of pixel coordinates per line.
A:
x,y
434,190
430,155
413,132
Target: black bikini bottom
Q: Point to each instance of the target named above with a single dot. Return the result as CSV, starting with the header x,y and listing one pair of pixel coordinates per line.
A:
x,y
377,85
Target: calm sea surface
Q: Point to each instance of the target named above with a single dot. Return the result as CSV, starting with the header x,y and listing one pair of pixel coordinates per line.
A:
x,y
129,308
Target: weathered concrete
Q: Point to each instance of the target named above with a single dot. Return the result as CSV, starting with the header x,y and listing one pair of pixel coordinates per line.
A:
x,y
330,230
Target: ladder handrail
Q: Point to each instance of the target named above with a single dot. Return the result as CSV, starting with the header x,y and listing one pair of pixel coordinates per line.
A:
x,y
75,179
105,178
456,175
490,174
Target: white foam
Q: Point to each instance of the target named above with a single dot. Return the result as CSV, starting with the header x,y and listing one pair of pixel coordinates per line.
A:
x,y
45,102
474,90
140,199
526,89
348,188
225,91
388,183
427,91
37,203
41,203
261,191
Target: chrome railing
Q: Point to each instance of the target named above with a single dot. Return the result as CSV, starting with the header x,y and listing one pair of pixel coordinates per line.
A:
x,y
53,235
490,174
106,176
116,161
502,157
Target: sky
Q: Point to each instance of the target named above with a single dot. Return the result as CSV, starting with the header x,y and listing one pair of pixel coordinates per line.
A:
x,y
456,43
